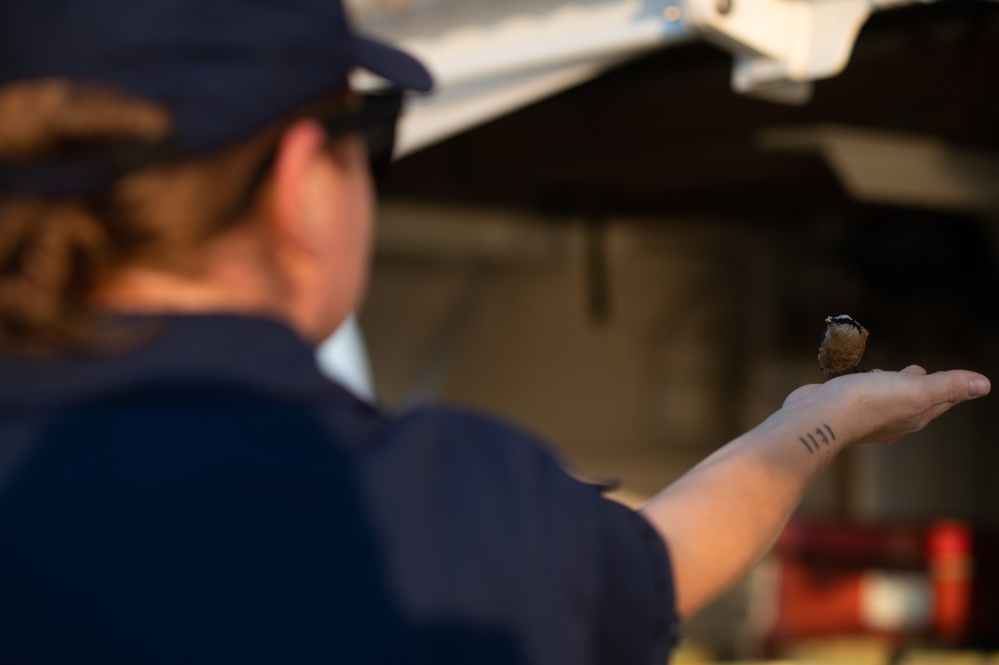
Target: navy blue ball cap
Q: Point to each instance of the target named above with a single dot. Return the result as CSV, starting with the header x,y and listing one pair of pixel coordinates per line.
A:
x,y
400,68
223,68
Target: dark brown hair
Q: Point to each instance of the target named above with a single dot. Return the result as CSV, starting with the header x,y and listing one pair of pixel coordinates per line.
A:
x,y
54,253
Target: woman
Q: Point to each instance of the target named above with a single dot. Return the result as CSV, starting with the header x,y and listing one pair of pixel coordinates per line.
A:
x,y
186,211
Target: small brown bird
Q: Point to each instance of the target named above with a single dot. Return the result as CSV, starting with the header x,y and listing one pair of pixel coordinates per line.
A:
x,y
842,345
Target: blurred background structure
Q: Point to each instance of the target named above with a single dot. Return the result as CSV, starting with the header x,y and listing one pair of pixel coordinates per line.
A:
x,y
622,223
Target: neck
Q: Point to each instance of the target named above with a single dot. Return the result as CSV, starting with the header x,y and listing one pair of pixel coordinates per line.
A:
x,y
138,289
235,276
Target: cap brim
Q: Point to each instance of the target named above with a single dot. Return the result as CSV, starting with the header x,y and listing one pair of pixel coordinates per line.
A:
x,y
401,69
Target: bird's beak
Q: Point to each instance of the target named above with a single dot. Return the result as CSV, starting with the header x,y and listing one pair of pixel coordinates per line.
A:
x,y
828,320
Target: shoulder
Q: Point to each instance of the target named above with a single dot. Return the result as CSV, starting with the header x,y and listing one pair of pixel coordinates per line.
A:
x,y
462,449
479,516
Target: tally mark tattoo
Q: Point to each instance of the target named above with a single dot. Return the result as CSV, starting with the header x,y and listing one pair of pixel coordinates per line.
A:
x,y
815,440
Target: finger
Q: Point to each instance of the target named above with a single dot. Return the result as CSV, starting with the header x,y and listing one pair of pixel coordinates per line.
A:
x,y
957,386
914,369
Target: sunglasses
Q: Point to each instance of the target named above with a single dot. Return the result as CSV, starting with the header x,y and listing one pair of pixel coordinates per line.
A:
x,y
375,118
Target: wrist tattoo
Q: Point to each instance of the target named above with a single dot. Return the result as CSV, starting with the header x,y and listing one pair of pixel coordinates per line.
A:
x,y
812,441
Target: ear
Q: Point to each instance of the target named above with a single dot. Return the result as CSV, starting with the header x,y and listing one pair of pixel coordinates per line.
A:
x,y
298,155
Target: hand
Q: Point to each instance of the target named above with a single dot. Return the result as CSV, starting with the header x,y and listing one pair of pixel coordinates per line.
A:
x,y
882,407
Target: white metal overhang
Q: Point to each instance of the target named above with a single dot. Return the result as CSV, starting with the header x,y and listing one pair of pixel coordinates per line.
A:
x,y
490,58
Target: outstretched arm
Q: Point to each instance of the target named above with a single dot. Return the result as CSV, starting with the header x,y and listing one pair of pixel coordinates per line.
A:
x,y
726,512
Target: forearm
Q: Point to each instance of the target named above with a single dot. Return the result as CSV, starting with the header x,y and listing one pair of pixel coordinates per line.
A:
x,y
725,513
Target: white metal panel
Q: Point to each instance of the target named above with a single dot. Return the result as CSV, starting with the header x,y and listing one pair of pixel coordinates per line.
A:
x,y
778,43
489,59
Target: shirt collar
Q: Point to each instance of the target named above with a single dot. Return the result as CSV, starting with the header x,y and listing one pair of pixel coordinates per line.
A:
x,y
252,351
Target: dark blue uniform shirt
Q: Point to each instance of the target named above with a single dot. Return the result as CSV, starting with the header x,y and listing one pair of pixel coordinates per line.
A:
x,y
209,497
